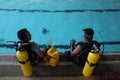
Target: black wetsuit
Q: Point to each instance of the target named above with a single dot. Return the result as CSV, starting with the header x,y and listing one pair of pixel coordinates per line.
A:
x,y
81,58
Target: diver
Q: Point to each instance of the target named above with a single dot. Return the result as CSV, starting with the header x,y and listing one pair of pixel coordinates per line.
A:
x,y
36,55
78,53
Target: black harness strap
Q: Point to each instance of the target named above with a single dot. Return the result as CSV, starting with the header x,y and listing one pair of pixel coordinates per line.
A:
x,y
23,62
91,64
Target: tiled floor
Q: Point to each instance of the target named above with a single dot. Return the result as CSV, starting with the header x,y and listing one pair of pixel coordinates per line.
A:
x,y
102,77
46,78
12,71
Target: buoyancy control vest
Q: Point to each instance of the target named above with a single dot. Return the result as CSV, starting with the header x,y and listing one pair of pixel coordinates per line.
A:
x,y
33,56
86,48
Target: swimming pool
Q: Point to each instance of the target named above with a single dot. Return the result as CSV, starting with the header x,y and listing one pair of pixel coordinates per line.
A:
x,y
60,21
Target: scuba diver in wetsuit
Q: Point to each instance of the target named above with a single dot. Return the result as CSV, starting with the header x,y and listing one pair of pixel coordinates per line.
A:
x,y
35,54
78,53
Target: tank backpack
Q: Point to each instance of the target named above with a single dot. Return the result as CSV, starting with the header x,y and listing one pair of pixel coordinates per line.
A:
x,y
33,57
82,57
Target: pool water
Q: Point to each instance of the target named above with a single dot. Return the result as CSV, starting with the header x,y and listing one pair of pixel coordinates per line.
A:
x,y
60,21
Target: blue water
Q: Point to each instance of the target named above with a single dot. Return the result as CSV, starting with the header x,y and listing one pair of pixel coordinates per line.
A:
x,y
60,20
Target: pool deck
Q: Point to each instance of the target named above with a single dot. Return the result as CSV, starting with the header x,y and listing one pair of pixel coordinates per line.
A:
x,y
10,69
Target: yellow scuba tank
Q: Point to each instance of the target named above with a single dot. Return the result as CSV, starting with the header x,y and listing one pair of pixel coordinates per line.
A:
x,y
92,60
52,57
23,59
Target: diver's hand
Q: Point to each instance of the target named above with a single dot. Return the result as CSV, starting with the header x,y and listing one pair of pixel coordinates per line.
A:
x,y
72,42
45,51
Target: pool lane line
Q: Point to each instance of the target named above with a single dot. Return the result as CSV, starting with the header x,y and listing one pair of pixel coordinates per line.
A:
x,y
61,11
